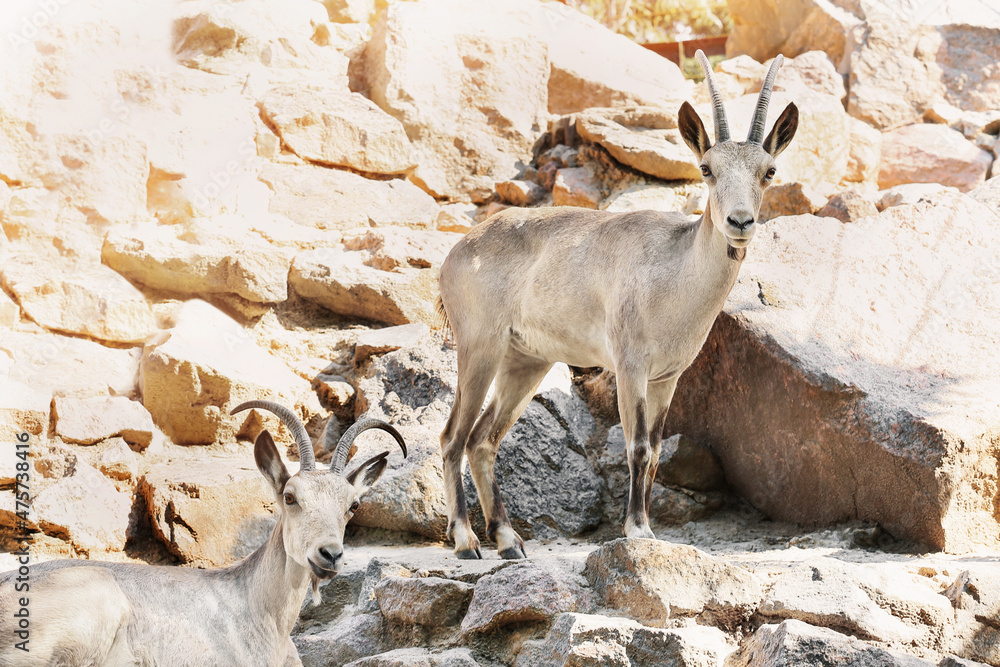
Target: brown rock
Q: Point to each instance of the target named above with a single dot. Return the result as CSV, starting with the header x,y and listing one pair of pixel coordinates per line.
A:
x,y
206,510
381,341
866,152
335,199
848,206
337,127
874,359
523,592
430,601
644,138
442,69
117,461
655,581
576,187
792,198
764,29
78,298
10,312
90,420
207,364
926,153
520,193
686,462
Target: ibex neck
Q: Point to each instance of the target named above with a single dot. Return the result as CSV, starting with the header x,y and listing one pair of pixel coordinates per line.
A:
x,y
274,585
713,244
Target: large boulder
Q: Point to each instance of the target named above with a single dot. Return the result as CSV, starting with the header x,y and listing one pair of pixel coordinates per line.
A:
x,y
212,256
337,127
194,373
655,581
898,72
429,601
762,30
89,420
335,199
78,298
442,69
929,153
209,512
351,639
835,400
644,138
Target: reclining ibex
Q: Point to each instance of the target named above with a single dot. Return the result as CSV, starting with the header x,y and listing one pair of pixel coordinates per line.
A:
x,y
93,613
636,292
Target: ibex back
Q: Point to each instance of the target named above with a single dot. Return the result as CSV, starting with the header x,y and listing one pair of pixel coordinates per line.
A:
x,y
88,613
635,292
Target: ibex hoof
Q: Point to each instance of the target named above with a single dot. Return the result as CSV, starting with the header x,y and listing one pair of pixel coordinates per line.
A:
x,y
513,553
469,554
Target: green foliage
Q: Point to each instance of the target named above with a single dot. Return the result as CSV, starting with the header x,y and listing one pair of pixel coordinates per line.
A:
x,y
650,21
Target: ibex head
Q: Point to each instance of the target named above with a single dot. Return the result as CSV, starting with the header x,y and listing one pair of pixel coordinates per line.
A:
x,y
737,172
315,505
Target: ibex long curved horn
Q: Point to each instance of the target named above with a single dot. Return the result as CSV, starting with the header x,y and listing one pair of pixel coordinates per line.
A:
x,y
307,459
718,111
339,459
756,135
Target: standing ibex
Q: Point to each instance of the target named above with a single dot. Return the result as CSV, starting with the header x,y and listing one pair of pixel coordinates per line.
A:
x,y
93,613
635,292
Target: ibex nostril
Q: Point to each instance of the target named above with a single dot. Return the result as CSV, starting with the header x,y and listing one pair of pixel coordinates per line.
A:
x,y
331,556
739,224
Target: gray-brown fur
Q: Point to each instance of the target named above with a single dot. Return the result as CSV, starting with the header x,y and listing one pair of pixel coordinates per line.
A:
x,y
636,292
117,614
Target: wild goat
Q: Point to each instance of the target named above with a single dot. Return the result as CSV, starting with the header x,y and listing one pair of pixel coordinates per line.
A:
x,y
93,613
636,292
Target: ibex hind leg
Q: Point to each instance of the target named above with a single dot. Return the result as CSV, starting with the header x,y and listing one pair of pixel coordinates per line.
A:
x,y
516,383
475,373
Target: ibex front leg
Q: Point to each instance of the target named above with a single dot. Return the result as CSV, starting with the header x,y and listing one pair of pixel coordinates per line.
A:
x,y
633,408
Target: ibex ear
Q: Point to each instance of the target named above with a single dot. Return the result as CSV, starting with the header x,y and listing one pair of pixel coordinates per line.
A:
x,y
693,130
366,474
783,130
269,462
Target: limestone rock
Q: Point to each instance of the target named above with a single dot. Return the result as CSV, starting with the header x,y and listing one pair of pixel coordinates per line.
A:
x,y
523,592
866,601
10,312
78,298
338,127
50,363
975,593
200,259
988,194
576,187
644,138
117,461
23,408
387,275
792,198
565,500
655,581
90,420
442,69
413,389
377,342
928,153
813,70
897,74
377,570
418,657
353,638
912,193
350,11
430,601
204,510
687,198
590,640
875,358
796,643
865,154
520,193
848,206
194,373
762,30
103,527
456,218
334,199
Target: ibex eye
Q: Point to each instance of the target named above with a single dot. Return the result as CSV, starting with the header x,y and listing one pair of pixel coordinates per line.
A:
x,y
289,499
355,505
770,173
705,171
